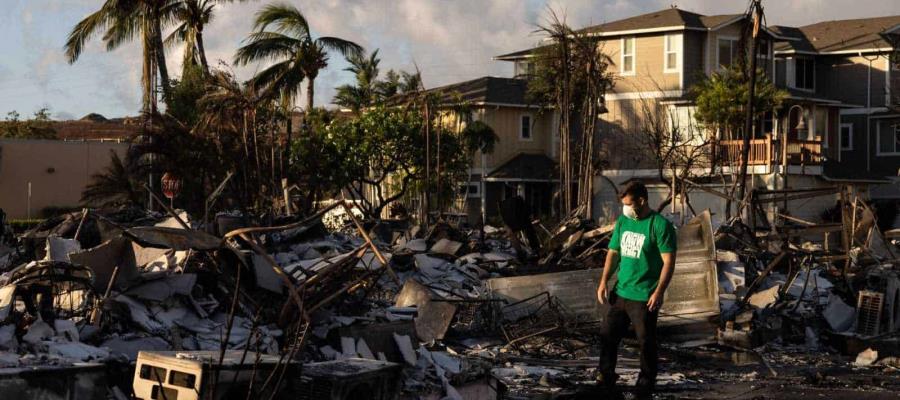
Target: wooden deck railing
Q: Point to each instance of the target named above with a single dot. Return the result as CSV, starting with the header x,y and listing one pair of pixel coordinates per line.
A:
x,y
765,151
729,151
804,151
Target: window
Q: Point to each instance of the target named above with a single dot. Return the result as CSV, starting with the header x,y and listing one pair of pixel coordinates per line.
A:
x,y
762,55
525,128
682,125
820,114
804,73
151,373
670,52
765,125
764,59
846,136
888,139
524,68
182,379
627,56
727,51
470,190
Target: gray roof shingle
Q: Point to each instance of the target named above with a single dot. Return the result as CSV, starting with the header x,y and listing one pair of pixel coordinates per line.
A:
x,y
487,89
841,35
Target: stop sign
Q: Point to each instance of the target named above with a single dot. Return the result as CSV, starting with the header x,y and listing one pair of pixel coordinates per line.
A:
x,y
171,185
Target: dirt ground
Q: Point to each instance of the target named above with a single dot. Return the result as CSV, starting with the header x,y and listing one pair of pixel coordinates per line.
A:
x,y
712,372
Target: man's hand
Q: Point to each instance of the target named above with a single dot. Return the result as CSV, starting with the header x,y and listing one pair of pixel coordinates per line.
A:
x,y
602,295
655,302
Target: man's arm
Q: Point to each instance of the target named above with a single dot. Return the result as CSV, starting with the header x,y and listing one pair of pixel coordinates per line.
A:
x,y
656,299
612,257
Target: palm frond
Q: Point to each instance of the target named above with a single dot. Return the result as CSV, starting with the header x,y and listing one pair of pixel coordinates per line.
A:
x,y
263,46
124,28
286,19
83,31
283,77
343,46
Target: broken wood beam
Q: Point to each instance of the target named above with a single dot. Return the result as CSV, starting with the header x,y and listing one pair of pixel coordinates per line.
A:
x,y
97,311
84,214
762,275
369,241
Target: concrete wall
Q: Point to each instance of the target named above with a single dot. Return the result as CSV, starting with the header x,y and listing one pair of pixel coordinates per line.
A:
x,y
57,170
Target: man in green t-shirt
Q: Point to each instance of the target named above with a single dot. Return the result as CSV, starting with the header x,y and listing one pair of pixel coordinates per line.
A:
x,y
642,246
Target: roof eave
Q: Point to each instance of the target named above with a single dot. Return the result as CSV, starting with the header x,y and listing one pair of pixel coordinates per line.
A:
x,y
836,52
726,23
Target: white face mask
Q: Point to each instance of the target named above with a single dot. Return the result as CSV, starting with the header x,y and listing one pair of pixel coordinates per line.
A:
x,y
629,211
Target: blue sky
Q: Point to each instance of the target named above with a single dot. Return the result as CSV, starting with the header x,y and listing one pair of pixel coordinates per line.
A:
x,y
449,40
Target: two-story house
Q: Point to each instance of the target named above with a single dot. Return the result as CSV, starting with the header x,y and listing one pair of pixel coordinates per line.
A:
x,y
658,57
853,62
523,161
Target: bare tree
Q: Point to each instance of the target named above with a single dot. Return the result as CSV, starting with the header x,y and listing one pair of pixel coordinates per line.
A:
x,y
676,146
572,78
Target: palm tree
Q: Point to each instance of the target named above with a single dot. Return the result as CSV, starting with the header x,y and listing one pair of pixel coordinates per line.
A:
x,y
365,93
126,20
192,16
230,106
402,82
297,55
114,186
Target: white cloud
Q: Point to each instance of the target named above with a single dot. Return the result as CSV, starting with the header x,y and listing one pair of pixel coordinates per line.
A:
x,y
450,41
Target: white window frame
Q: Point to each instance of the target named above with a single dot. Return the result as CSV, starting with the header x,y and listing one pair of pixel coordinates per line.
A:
x,y
841,138
896,151
530,137
677,41
733,40
633,56
473,184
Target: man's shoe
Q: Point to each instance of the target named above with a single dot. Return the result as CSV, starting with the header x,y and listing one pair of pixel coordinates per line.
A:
x,y
608,381
606,385
643,392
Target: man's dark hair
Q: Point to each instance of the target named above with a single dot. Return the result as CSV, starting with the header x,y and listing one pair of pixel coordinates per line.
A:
x,y
634,189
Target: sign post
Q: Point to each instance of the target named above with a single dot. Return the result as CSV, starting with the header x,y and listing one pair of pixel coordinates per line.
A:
x,y
171,186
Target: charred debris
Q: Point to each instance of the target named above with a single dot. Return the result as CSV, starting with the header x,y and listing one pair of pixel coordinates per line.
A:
x,y
447,312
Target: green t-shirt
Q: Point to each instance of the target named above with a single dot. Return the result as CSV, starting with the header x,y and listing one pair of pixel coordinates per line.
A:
x,y
640,243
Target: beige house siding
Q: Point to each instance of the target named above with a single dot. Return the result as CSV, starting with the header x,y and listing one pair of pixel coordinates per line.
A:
x,y
649,69
622,140
57,170
506,124
694,50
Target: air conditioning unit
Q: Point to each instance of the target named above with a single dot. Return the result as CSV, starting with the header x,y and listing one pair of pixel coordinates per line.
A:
x,y
348,379
868,312
192,375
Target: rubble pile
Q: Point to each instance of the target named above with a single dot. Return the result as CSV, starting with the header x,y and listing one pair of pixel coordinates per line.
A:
x,y
456,309
147,286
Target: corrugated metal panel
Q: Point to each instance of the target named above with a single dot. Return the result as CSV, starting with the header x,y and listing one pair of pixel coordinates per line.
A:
x,y
576,290
693,292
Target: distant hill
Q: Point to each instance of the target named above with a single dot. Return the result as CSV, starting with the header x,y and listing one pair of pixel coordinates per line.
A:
x,y
95,126
90,127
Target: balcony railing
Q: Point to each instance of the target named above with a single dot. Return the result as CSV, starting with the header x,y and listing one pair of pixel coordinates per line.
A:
x,y
766,151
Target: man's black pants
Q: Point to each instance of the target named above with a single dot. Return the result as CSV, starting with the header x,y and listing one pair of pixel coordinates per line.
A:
x,y
615,326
